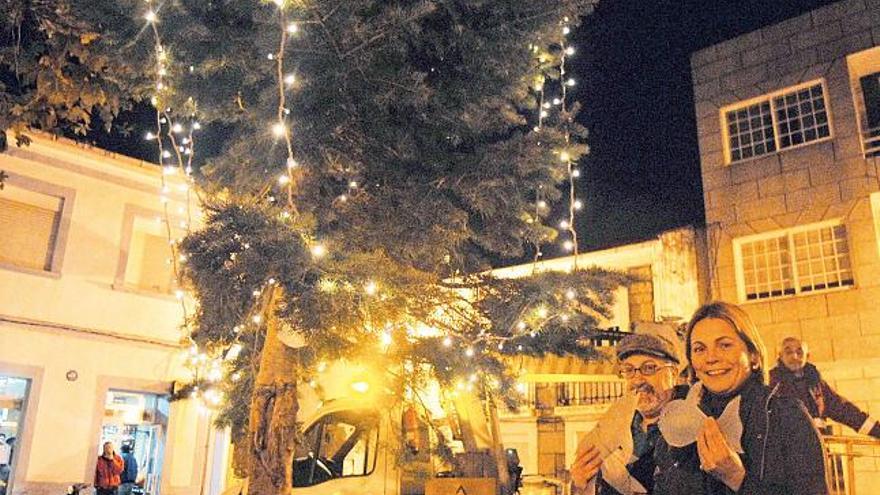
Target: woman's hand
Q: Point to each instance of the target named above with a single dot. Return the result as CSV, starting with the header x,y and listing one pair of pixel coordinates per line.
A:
x,y
716,456
586,464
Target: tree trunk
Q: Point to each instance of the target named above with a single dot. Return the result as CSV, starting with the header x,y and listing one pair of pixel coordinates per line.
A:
x,y
498,448
272,432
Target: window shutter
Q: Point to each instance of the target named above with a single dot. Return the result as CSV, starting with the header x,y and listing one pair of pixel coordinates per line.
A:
x,y
27,234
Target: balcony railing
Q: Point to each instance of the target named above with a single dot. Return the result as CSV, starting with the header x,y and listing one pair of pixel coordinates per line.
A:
x,y
550,395
841,452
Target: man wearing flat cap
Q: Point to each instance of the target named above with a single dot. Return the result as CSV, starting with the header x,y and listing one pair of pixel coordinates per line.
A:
x,y
617,456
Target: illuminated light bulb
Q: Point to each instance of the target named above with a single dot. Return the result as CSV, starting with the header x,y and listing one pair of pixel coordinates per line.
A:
x,y
279,3
578,204
161,55
472,378
178,294
270,56
469,352
370,288
542,204
185,140
318,250
322,366
289,79
544,113
501,346
564,156
160,86
385,339
166,154
353,184
271,281
283,179
569,50
154,101
447,342
568,245
192,69
521,387
150,136
570,82
566,30
575,173
257,319
176,127
542,312
291,163
182,149
519,347
556,101
343,198
521,325
169,170
197,125
563,224
150,16
292,28
536,128
313,384
533,334
278,129
235,376
570,294
547,104
163,71
256,293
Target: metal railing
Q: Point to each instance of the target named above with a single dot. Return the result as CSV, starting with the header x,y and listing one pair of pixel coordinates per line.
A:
x,y
548,395
841,452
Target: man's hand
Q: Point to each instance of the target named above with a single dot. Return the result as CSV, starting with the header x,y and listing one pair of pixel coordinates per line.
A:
x,y
587,462
717,458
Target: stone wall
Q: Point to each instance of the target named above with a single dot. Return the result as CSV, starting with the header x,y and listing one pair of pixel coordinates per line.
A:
x,y
814,182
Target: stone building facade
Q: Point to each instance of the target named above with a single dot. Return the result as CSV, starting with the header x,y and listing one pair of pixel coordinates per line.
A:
x,y
788,120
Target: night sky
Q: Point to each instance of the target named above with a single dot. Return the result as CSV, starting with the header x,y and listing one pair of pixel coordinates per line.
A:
x,y
632,65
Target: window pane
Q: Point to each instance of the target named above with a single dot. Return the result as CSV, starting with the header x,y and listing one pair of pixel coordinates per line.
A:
x,y
771,272
751,131
801,116
825,263
28,227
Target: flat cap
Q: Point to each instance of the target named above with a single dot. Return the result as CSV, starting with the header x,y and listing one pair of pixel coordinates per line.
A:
x,y
652,339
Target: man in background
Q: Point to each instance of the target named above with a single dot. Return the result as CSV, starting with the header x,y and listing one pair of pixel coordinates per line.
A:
x,y
800,379
129,471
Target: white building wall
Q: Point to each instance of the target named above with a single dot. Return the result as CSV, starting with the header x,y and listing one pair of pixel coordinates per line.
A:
x,y
80,319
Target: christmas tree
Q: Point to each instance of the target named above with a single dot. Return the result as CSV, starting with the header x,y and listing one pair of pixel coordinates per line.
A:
x,y
377,157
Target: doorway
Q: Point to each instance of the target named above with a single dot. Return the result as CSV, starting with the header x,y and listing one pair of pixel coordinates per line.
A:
x,y
13,399
138,420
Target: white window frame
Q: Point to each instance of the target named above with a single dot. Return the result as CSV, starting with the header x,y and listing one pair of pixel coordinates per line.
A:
x,y
789,234
769,97
131,213
67,196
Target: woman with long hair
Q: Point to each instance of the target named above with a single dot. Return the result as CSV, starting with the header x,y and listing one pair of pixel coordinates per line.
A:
x,y
732,433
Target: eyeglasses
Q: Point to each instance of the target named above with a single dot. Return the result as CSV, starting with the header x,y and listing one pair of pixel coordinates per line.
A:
x,y
646,369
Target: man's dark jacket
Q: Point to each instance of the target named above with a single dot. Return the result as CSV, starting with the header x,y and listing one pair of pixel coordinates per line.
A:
x,y
820,399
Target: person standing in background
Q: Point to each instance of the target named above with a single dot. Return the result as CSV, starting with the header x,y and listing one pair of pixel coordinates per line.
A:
x,y
129,474
107,471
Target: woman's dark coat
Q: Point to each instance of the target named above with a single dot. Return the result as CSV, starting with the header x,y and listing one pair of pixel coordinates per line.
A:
x,y
783,452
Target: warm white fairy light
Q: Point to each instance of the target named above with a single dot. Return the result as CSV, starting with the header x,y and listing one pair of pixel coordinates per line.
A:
x,y
278,129
447,341
318,250
290,79
292,28
283,179
568,245
371,288
578,204
150,16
